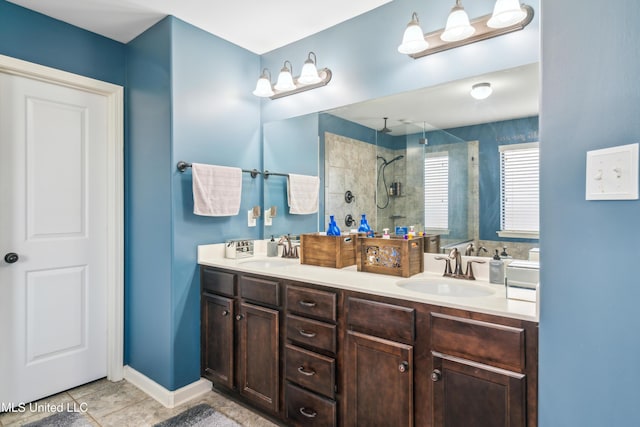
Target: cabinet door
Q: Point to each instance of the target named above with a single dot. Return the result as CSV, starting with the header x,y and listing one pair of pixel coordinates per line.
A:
x,y
217,339
470,394
259,355
379,382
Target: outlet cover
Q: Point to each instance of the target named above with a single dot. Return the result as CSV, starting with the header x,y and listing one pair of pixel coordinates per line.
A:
x,y
251,220
612,173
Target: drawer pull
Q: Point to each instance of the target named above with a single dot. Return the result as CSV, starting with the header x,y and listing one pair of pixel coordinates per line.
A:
x,y
403,367
225,312
239,316
307,334
308,413
307,372
436,375
307,303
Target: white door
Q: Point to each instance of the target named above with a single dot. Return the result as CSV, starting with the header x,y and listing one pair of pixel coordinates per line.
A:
x,y
53,217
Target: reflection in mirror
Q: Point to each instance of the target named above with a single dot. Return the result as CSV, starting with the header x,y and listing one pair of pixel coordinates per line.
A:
x,y
424,127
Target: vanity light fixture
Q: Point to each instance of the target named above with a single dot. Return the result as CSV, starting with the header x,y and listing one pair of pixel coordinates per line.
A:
x,y
458,26
507,16
413,40
310,78
263,87
481,90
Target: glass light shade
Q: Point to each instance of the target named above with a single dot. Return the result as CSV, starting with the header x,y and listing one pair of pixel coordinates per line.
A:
x,y
481,90
263,88
458,27
506,13
285,80
413,40
309,74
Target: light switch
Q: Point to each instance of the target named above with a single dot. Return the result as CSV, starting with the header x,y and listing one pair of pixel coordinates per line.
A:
x,y
612,173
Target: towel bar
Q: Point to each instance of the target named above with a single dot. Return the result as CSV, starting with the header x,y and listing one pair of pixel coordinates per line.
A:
x,y
182,166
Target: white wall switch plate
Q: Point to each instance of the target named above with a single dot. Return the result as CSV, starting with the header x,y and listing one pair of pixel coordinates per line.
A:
x,y
268,219
251,220
612,173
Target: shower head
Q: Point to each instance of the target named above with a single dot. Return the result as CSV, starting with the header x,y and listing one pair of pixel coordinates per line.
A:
x,y
395,158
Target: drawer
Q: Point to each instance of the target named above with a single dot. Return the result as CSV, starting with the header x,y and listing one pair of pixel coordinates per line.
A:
x,y
312,333
309,409
484,342
260,290
312,302
218,282
310,370
381,319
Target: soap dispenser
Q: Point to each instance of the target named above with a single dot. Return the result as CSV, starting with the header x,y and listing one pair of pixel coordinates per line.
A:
x,y
496,270
272,247
333,229
386,234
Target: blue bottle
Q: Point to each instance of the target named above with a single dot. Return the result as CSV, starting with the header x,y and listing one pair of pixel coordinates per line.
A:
x,y
364,226
333,229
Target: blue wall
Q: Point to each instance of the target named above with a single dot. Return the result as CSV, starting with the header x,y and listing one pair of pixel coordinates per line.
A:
x,y
215,120
284,140
148,261
589,343
34,37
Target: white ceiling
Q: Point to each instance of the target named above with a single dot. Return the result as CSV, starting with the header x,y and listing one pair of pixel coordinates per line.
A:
x,y
257,25
515,95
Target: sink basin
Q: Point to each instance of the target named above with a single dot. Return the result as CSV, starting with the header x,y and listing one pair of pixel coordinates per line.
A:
x,y
446,287
267,263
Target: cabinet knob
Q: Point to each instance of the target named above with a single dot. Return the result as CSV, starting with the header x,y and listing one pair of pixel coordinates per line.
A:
x,y
225,312
436,375
309,413
239,317
403,367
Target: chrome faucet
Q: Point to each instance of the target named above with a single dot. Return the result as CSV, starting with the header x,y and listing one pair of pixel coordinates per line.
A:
x,y
455,255
469,249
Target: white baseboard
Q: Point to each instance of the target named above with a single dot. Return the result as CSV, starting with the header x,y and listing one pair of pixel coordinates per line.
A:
x,y
167,398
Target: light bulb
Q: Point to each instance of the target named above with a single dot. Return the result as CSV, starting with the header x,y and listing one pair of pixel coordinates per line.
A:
x,y
458,26
413,39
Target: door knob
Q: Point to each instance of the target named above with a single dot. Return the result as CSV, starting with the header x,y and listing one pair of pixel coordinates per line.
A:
x,y
11,257
436,375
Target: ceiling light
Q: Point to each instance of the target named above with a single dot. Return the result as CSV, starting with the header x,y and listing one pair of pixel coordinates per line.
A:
x,y
506,13
285,79
263,87
310,78
458,27
309,74
413,40
508,16
481,90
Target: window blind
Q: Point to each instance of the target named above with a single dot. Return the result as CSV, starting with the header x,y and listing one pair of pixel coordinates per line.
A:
x,y
519,187
436,190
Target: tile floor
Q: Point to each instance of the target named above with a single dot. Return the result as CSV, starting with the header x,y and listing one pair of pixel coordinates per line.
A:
x,y
122,404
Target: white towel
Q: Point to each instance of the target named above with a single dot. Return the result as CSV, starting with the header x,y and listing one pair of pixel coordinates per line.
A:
x,y
303,192
216,190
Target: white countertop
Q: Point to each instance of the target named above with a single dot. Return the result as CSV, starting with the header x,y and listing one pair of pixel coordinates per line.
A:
x,y
349,278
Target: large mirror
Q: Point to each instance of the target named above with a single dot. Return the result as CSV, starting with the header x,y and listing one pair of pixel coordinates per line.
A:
x,y
382,166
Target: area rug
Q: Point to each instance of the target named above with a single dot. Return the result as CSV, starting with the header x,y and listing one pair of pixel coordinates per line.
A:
x,y
199,416
62,419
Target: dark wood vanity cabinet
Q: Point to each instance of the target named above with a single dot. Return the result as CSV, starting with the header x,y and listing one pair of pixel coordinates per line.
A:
x,y
379,365
311,355
484,373
240,336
